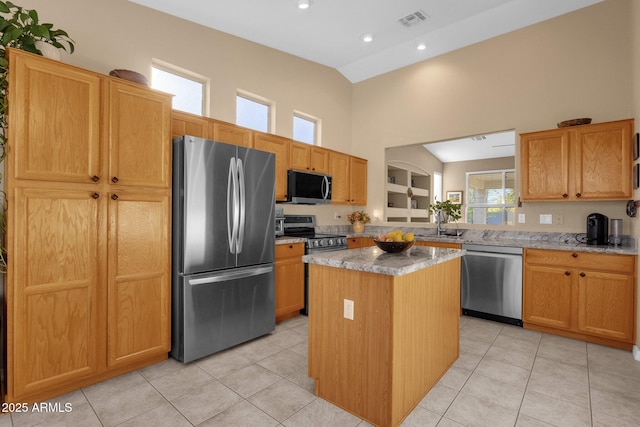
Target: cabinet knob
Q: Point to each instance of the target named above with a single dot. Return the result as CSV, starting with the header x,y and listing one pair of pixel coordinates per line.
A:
x,y
582,274
565,195
567,273
290,246
95,195
114,179
114,197
95,178
578,194
575,255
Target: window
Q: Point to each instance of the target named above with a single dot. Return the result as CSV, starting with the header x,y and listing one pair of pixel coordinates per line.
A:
x,y
305,128
491,197
189,88
253,112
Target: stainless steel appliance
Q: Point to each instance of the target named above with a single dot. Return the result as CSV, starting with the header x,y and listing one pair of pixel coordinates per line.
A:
x,y
304,226
223,280
279,222
307,188
597,229
492,283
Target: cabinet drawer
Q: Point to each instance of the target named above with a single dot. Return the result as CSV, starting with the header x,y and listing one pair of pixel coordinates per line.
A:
x,y
586,260
289,250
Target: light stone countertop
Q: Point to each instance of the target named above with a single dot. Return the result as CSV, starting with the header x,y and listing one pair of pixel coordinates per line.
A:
x,y
286,240
375,260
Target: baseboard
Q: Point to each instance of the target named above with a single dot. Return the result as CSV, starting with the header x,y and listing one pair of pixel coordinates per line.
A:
x,y
636,353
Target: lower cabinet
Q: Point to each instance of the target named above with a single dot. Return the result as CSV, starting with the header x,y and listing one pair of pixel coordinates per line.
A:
x,y
289,280
582,295
91,294
438,244
359,242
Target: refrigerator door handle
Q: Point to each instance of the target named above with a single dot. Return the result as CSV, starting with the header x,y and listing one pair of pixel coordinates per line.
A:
x,y
241,197
232,199
325,187
232,275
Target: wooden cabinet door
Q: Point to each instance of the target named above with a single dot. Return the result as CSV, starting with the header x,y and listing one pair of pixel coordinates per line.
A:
x,y
339,171
544,165
139,123
319,160
232,134
138,277
289,279
439,244
188,124
547,296
603,161
54,125
605,305
299,156
357,181
54,326
279,146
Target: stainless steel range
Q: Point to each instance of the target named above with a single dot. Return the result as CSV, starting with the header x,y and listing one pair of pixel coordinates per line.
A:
x,y
304,226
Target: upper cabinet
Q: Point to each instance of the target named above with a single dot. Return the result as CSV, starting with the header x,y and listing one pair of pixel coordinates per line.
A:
x,y
307,157
589,162
49,92
139,136
189,124
280,146
232,134
348,178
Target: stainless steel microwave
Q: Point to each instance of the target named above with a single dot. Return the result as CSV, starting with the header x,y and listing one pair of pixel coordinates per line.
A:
x,y
307,188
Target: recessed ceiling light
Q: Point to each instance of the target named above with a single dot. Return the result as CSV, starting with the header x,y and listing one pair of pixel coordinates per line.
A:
x,y
422,46
367,38
304,4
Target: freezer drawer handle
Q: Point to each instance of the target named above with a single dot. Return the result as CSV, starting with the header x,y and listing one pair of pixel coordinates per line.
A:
x,y
231,276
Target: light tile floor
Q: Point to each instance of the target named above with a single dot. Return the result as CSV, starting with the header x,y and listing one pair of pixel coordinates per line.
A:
x,y
505,376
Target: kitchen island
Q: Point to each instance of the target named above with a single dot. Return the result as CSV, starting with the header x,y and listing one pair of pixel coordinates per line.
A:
x,y
383,328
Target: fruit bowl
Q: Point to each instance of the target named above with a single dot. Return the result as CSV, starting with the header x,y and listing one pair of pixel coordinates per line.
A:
x,y
393,247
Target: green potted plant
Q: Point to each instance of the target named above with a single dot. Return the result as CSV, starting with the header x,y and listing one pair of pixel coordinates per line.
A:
x,y
445,211
21,29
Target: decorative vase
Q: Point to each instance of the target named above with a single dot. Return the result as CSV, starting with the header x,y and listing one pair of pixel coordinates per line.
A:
x,y
358,227
48,50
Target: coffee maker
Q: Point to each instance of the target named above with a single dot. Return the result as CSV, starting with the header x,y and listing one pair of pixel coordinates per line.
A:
x,y
597,229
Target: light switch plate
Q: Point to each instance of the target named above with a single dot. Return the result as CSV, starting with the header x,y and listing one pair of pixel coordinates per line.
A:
x,y
546,219
348,309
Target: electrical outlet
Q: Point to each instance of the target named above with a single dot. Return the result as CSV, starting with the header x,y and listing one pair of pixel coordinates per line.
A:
x,y
546,219
521,218
559,219
336,215
348,309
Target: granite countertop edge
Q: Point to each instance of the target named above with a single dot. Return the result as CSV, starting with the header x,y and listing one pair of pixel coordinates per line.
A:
x,y
374,260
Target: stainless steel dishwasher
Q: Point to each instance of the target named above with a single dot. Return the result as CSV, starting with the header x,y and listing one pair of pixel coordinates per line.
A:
x,y
492,283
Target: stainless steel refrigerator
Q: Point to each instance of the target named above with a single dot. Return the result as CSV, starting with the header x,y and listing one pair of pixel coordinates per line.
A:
x,y
223,278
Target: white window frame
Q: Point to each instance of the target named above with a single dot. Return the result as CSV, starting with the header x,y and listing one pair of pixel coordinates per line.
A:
x,y
503,205
271,107
316,124
189,75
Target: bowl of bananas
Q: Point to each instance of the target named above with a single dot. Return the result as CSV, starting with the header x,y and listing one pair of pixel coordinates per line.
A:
x,y
394,242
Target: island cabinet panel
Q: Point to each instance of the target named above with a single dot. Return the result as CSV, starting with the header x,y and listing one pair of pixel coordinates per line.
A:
x,y
88,280
589,162
289,280
588,296
402,339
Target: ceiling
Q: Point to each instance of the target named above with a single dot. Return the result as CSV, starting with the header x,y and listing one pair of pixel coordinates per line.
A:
x,y
330,32
487,146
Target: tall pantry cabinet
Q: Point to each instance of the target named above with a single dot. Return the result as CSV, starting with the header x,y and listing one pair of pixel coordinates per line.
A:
x,y
88,174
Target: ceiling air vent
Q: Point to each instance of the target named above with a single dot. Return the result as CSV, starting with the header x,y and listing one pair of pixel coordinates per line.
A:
x,y
478,138
413,18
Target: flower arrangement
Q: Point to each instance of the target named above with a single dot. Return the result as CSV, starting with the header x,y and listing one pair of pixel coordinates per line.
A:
x,y
361,216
